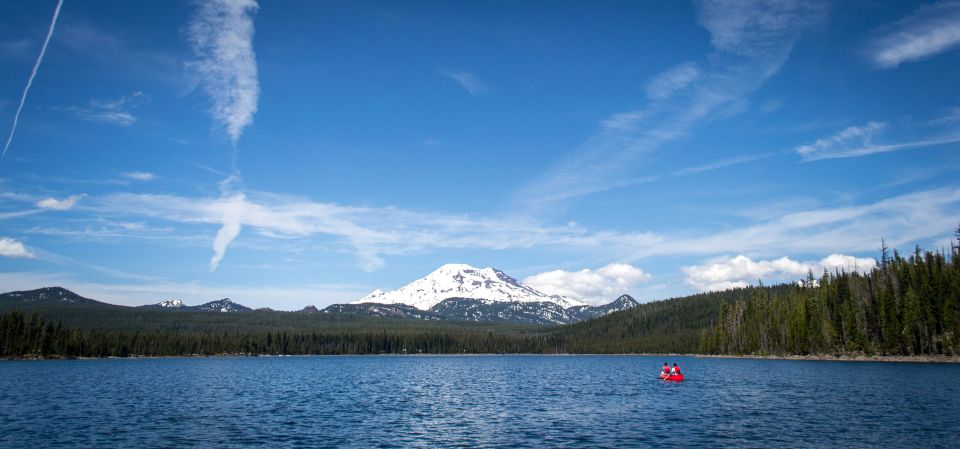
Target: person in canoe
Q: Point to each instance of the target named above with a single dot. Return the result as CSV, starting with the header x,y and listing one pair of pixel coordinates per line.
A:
x,y
671,373
675,371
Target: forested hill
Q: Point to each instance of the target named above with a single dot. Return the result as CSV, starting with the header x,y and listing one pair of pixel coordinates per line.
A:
x,y
56,329
51,326
906,305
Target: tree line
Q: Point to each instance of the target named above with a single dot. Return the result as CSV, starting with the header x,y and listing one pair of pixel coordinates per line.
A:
x,y
903,306
23,335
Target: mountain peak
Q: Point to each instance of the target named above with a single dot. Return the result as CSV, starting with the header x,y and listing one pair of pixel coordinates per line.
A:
x,y
174,303
223,305
448,267
457,280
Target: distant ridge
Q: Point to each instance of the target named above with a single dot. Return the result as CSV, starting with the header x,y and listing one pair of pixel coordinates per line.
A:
x,y
527,311
220,305
59,296
52,295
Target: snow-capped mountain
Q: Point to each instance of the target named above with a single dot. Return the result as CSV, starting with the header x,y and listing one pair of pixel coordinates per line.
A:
x,y
464,293
222,305
464,281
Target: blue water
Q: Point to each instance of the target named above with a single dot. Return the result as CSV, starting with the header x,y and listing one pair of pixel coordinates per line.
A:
x,y
476,401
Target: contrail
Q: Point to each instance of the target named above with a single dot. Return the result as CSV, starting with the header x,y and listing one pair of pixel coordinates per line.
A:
x,y
16,117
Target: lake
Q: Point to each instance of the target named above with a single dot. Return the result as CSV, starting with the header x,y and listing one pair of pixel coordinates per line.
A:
x,y
476,401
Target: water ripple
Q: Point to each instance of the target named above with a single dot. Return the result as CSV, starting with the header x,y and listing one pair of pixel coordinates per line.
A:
x,y
475,401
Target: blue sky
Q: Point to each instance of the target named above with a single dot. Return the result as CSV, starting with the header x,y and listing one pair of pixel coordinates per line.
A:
x,y
298,153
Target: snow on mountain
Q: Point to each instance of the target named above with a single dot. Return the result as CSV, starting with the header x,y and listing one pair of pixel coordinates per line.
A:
x,y
48,294
464,281
222,305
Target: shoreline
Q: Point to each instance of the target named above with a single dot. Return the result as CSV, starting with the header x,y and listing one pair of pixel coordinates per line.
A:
x,y
809,357
840,358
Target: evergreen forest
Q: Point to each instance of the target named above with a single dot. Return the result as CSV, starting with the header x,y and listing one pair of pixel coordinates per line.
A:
x,y
904,306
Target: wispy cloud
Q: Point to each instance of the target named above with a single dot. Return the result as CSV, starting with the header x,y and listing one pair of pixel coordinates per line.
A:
x,y
466,80
117,111
751,41
868,149
928,31
673,80
101,229
842,142
729,162
18,214
904,219
55,204
370,232
139,176
593,286
870,138
207,168
33,74
374,233
12,248
221,33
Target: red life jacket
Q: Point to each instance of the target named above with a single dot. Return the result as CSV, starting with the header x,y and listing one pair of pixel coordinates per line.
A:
x,y
666,369
675,370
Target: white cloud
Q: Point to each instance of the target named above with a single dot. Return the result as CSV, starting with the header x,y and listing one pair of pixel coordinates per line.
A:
x,y
231,213
928,31
723,164
624,121
12,248
753,28
18,214
751,41
467,80
842,142
121,118
372,233
741,271
593,286
140,176
221,33
904,219
847,263
55,204
102,230
672,80
116,111
868,139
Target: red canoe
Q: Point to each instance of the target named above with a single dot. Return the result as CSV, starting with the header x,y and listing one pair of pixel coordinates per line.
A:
x,y
676,377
